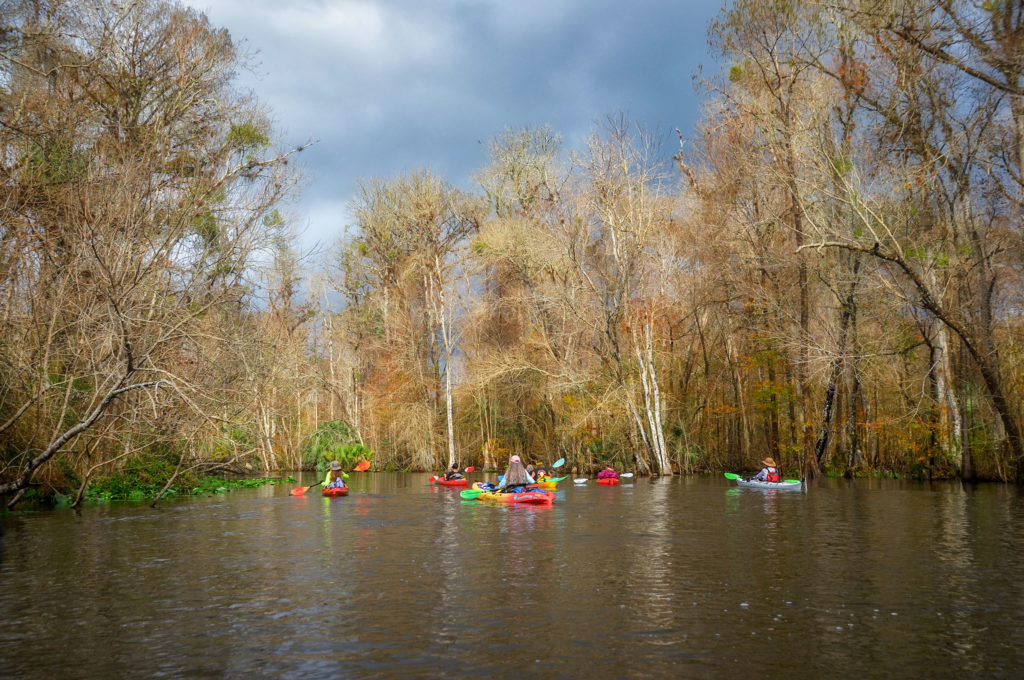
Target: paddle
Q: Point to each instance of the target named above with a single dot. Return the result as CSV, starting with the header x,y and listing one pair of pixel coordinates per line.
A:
x,y
363,467
581,480
558,463
299,490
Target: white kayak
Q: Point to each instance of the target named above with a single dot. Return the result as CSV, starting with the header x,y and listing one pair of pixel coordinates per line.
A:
x,y
757,484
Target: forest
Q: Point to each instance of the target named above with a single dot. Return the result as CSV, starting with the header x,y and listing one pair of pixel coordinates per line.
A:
x,y
827,271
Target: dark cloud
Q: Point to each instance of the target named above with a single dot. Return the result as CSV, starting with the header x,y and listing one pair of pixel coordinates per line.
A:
x,y
392,85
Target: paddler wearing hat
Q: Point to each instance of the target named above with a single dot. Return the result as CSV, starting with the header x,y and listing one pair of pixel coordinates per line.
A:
x,y
769,473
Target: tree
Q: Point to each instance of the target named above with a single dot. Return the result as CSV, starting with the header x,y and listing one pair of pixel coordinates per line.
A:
x,y
135,186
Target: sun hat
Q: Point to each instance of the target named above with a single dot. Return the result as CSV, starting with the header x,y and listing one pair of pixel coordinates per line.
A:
x,y
769,461
335,465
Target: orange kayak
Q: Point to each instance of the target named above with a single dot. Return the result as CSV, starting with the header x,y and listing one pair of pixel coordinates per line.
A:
x,y
609,481
336,491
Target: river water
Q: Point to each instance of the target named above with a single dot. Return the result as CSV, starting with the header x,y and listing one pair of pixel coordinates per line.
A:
x,y
660,578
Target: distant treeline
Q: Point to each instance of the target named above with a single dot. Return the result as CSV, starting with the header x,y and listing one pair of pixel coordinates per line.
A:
x,y
827,273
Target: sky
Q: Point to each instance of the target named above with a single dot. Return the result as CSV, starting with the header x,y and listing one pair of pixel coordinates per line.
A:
x,y
386,87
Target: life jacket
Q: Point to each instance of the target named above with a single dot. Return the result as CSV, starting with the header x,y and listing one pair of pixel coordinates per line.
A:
x,y
453,475
773,475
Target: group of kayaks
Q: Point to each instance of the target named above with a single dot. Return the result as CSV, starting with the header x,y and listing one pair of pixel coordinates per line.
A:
x,y
540,493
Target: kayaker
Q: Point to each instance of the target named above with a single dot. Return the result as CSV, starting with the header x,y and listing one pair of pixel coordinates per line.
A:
x,y
769,473
515,476
541,474
608,473
335,477
454,473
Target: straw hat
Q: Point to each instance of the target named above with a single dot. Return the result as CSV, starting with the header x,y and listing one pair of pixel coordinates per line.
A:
x,y
335,465
770,462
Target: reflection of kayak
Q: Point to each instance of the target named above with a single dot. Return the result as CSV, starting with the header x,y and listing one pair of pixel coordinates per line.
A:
x,y
608,481
537,497
336,491
452,482
785,484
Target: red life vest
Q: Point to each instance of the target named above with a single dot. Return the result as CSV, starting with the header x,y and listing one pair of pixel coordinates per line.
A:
x,y
773,475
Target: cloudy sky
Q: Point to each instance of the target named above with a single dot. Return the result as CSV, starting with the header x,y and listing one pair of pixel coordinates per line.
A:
x,y
389,86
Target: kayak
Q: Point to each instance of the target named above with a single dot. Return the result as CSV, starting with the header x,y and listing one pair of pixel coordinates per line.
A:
x,y
551,483
608,481
537,497
756,484
452,482
336,491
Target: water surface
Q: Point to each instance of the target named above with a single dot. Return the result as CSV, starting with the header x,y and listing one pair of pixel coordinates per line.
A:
x,y
663,578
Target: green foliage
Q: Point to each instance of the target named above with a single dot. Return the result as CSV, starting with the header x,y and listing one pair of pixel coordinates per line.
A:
x,y
842,165
205,227
141,477
56,162
334,440
736,72
247,136
144,477
274,219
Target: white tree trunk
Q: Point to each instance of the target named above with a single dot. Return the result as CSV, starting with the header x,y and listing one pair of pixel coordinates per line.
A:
x,y
664,465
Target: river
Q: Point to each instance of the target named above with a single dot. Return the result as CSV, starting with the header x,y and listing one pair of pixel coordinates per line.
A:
x,y
401,579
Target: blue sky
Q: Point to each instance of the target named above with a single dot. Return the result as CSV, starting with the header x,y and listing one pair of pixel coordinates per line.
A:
x,y
389,86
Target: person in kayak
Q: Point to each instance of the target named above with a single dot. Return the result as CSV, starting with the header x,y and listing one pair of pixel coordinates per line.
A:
x,y
454,473
608,473
515,476
769,473
335,477
541,474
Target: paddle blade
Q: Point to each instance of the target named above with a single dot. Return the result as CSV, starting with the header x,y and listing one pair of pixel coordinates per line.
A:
x,y
558,479
732,475
470,468
433,478
626,475
558,463
470,494
580,480
363,467
793,481
299,490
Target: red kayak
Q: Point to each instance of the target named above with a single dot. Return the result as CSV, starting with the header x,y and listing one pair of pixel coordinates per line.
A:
x,y
336,491
608,481
451,482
